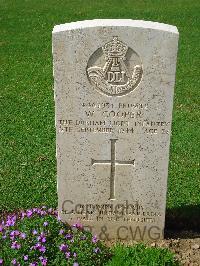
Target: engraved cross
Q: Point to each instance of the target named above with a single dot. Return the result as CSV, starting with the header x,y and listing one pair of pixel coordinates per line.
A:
x,y
113,162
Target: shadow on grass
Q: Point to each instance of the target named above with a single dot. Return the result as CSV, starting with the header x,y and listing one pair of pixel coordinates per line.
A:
x,y
184,222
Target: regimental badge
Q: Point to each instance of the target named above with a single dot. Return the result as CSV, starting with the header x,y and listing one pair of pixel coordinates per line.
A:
x,y
114,69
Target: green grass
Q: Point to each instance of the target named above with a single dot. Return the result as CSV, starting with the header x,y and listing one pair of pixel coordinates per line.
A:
x,y
140,255
28,165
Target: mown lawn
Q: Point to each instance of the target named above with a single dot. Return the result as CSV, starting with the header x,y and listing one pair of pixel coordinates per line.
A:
x,y
28,165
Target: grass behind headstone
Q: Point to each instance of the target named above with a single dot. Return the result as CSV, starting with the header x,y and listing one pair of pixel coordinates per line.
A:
x,y
28,163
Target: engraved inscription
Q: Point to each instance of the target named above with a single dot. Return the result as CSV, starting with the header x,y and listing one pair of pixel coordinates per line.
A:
x,y
121,71
119,118
118,212
113,162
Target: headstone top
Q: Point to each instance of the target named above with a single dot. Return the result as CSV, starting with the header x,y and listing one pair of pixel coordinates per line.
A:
x,y
115,22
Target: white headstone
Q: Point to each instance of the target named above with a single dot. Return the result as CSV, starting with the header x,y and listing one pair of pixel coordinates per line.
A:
x,y
114,83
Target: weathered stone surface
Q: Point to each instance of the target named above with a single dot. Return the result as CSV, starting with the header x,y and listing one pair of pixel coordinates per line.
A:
x,y
114,83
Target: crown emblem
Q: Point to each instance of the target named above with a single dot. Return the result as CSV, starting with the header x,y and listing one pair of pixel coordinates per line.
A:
x,y
115,48
116,76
